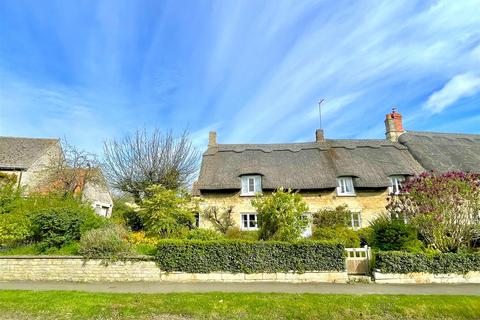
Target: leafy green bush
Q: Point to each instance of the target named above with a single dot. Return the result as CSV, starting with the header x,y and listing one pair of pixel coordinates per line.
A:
x,y
393,234
403,262
109,242
281,215
332,218
346,236
236,233
366,236
249,257
127,214
204,234
54,227
168,213
10,197
14,229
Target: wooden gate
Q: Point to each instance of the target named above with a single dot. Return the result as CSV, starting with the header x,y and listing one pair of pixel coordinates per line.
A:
x,y
358,260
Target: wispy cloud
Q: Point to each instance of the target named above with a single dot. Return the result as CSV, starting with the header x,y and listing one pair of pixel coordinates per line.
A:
x,y
460,86
252,70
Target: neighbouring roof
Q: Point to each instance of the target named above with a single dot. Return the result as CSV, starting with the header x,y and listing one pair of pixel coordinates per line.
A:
x,y
313,165
21,153
444,152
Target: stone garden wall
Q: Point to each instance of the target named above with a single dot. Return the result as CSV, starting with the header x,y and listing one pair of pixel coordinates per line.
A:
x,y
423,278
50,268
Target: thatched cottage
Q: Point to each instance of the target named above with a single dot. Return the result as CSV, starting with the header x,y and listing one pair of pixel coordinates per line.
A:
x,y
329,172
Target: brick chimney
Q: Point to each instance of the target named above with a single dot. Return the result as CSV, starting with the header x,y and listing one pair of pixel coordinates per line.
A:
x,y
393,125
319,137
212,139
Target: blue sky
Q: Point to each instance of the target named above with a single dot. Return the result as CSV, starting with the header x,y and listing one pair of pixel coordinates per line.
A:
x,y
251,70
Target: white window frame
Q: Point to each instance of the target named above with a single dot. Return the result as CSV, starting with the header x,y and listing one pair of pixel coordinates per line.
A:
x,y
102,209
248,220
251,185
396,184
352,219
343,184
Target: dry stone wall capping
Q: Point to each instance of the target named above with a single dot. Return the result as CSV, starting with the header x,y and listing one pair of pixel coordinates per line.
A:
x,y
61,268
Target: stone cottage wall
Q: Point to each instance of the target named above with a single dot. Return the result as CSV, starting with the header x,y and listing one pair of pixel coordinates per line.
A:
x,y
371,203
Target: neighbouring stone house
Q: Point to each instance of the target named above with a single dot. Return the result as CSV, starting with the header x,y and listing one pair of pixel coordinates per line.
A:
x,y
29,158
329,172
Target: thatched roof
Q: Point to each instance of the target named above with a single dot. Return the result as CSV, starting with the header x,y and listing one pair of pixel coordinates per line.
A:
x,y
444,152
21,153
314,165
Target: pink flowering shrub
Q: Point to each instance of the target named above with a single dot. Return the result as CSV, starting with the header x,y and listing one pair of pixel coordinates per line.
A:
x,y
444,208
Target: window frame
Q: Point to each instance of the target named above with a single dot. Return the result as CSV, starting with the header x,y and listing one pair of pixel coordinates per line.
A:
x,y
245,185
348,182
394,183
248,228
352,219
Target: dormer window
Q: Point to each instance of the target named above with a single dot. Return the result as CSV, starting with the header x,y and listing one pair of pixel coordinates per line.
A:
x,y
396,184
251,185
345,186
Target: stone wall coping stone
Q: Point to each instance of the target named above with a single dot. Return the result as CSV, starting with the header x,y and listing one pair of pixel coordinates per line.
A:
x,y
133,258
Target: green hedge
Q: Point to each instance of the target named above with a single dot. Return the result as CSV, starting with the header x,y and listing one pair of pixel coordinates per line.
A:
x,y
240,256
403,262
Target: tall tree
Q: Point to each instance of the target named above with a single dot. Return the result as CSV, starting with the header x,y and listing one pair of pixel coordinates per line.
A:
x,y
143,159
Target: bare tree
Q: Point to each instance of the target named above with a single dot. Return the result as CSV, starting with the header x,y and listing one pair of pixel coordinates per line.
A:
x,y
142,159
70,170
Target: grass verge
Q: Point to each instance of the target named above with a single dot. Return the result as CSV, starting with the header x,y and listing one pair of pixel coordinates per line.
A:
x,y
80,305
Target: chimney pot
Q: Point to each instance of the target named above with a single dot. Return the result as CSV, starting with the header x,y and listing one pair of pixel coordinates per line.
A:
x,y
319,135
393,125
212,139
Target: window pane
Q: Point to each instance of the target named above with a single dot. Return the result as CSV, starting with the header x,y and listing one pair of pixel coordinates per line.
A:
x,y
349,185
251,185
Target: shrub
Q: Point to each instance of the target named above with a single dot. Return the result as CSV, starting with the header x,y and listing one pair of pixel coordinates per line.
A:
x,y
443,208
14,229
366,236
55,227
109,243
332,218
204,234
249,257
127,215
348,237
168,213
281,215
10,197
236,233
393,234
403,262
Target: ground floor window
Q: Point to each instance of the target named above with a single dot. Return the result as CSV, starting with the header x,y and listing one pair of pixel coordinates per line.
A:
x,y
249,221
102,210
356,220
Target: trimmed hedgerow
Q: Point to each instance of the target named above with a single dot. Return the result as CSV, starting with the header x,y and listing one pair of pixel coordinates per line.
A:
x,y
404,262
240,256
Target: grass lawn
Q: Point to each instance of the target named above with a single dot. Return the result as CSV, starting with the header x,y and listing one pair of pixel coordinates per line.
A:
x,y
175,306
